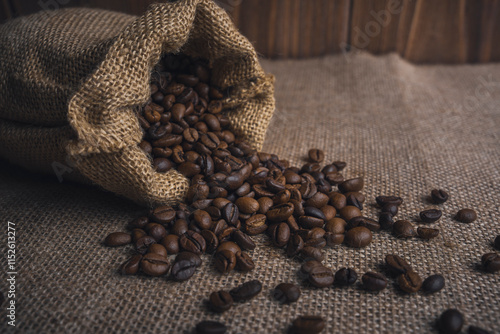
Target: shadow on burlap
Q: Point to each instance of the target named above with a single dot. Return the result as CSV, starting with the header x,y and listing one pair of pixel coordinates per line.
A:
x,y
407,129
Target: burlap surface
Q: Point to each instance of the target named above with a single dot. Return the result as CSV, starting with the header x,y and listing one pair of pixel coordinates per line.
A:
x,y
405,128
89,70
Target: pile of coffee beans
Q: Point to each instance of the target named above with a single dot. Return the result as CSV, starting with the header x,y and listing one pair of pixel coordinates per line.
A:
x,y
237,192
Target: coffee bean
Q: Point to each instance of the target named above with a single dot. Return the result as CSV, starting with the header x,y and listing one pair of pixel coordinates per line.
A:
x,y
163,214
142,244
286,293
383,200
154,265
155,230
476,330
220,301
353,201
338,201
430,216
192,242
139,222
244,241
355,184
329,211
369,223
256,224
450,322
210,327
433,283
280,213
335,225
202,219
496,243
131,266
308,265
314,212
348,212
316,155
211,240
244,262
310,222
185,266
439,196
308,324
225,261
118,239
158,249
403,229
374,281
396,264
491,262
295,245
280,235
171,243
358,237
230,213
312,253
321,276
247,205
333,239
466,216
409,282
246,291
345,276
390,208
385,221
427,233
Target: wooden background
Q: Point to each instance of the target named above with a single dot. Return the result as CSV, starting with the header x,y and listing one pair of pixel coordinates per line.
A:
x,y
422,31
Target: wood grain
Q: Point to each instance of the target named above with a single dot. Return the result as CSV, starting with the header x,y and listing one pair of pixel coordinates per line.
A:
x,y
422,31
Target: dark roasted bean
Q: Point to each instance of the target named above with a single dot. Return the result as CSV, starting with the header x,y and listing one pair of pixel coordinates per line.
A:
x,y
439,196
409,282
210,327
308,324
430,216
450,322
433,283
491,262
321,276
286,293
374,281
396,264
220,301
358,237
427,233
466,216
345,276
118,239
246,291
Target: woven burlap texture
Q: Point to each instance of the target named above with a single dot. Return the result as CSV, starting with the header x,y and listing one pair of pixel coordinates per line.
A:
x,y
407,129
89,70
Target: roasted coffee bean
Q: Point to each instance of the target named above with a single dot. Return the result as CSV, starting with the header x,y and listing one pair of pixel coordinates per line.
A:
x,y
355,184
246,291
335,225
353,201
280,235
140,222
385,221
244,262
189,169
171,243
466,216
142,244
491,262
496,243
220,301
312,253
210,327
162,165
450,322
340,165
202,219
321,277
131,266
333,239
433,283
280,213
286,293
315,242
157,231
295,245
329,212
211,240
308,266
390,208
358,237
265,203
348,212
225,261
185,265
369,223
247,205
163,214
396,264
230,246
154,265
476,330
310,222
403,229
158,249
338,201
316,155
192,242
180,227
345,276
308,324
314,212
439,196
430,216
427,233
374,281
383,200
256,224
243,240
118,239
409,282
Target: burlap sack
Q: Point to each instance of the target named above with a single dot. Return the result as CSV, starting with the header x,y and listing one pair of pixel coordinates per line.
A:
x,y
71,81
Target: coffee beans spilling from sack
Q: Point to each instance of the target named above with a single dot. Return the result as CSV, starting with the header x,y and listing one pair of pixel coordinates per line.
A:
x,y
237,192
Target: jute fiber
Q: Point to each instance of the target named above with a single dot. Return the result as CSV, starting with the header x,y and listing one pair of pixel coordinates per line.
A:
x,y
407,129
72,80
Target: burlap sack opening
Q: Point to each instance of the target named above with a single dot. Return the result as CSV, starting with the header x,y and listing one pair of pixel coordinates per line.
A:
x,y
73,80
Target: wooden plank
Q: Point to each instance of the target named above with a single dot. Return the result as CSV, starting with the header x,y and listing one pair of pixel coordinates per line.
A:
x,y
488,42
404,25
437,33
